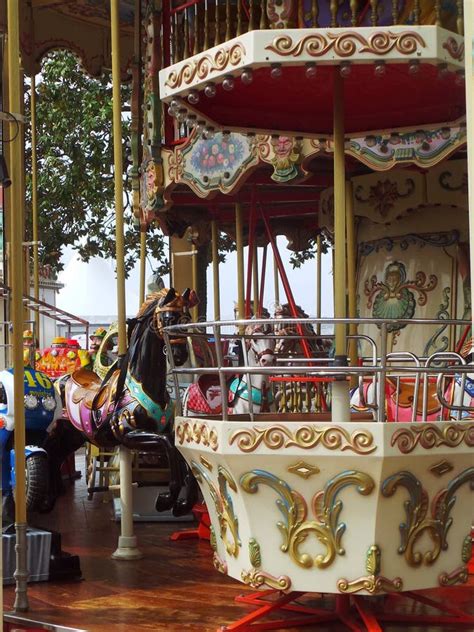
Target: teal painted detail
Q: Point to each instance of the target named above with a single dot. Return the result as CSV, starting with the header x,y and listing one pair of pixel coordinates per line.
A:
x,y
154,410
240,389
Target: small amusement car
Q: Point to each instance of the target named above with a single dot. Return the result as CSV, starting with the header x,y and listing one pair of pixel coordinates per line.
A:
x,y
64,356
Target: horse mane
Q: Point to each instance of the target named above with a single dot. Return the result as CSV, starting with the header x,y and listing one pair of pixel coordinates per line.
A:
x,y
147,362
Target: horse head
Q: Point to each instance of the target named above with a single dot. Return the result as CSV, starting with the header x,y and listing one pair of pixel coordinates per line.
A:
x,y
261,350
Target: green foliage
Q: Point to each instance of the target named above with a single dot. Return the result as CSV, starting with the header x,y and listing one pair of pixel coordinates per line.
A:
x,y
298,258
75,166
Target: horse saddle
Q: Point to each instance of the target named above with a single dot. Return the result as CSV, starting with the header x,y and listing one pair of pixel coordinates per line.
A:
x,y
90,391
406,396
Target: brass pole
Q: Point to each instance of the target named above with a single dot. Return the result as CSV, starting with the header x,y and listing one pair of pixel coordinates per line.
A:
x,y
239,242
276,282
142,266
340,407
194,261
351,275
468,37
34,204
215,270
318,281
15,104
127,542
255,279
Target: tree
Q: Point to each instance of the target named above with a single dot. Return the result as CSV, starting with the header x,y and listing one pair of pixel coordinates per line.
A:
x,y
75,166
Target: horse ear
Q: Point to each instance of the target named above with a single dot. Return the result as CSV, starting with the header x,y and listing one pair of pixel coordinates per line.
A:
x,y
170,296
190,297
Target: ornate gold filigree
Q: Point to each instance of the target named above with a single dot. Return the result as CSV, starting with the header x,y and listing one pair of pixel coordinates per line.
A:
x,y
204,65
372,583
458,576
454,48
467,548
207,464
431,436
443,467
416,509
176,165
257,578
347,44
197,433
306,437
295,529
219,564
228,521
303,469
254,553
212,538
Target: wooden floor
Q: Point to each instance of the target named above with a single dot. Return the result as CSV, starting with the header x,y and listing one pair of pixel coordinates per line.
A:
x,y
174,587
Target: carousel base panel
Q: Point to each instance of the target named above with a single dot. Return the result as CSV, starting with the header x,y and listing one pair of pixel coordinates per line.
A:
x,y
356,613
15,623
144,499
175,587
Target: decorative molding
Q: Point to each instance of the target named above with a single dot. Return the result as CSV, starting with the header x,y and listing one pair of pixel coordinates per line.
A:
x,y
206,463
305,437
347,44
325,505
254,553
443,467
257,578
418,521
373,583
454,48
205,65
197,432
219,564
228,521
430,436
458,576
383,195
303,469
440,240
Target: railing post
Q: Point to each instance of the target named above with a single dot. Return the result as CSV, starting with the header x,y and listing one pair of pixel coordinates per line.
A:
x,y
382,374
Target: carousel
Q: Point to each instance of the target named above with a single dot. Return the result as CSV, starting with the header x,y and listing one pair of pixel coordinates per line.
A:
x,y
332,455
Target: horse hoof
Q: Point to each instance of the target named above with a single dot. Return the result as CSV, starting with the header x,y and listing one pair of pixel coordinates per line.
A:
x,y
164,502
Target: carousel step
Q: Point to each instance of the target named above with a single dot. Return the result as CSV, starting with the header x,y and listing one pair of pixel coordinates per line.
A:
x,y
18,623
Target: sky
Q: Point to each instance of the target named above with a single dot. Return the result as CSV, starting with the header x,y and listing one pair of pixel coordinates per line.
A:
x,y
90,288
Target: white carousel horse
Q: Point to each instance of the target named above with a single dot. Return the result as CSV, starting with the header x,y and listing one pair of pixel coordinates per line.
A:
x,y
204,397
254,389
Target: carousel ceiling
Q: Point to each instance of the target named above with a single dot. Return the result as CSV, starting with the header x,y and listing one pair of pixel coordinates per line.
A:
x,y
82,26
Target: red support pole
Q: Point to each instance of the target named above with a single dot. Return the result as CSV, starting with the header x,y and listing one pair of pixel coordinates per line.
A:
x,y
262,283
286,285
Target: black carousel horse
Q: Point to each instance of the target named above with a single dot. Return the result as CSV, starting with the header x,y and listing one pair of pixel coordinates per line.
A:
x,y
131,406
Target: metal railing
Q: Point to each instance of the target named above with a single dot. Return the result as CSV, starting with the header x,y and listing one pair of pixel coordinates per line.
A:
x,y
193,26
391,386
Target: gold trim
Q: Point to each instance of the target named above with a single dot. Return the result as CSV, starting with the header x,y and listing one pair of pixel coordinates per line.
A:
x,y
346,44
205,65
371,583
443,467
431,436
228,521
219,564
257,578
417,521
207,464
467,549
197,433
458,576
303,469
255,555
326,507
306,437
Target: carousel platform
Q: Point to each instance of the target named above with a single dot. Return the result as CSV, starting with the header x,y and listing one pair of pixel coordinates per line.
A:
x,y
175,587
